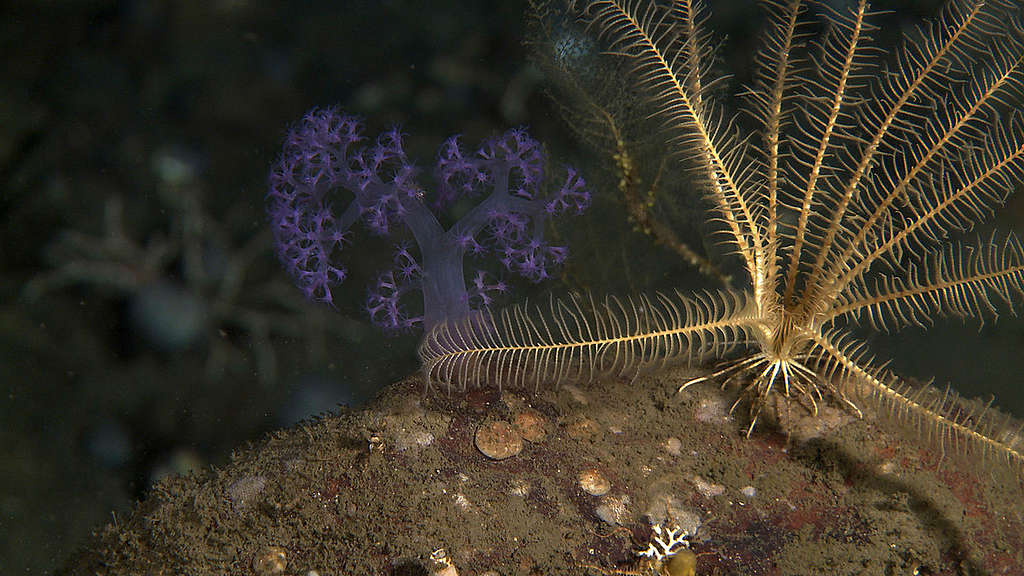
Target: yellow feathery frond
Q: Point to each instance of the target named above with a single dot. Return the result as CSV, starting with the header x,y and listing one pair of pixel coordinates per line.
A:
x,y
826,113
950,191
578,340
920,74
842,206
645,33
777,75
961,281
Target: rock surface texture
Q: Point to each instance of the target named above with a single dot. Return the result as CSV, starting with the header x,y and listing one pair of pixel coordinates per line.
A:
x,y
394,487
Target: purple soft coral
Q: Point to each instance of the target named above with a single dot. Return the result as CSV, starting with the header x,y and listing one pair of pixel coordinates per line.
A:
x,y
318,158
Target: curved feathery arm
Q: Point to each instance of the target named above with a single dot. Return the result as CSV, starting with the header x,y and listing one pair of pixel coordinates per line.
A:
x,y
642,31
960,280
580,339
942,419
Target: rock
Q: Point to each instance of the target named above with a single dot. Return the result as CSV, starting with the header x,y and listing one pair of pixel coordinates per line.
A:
x,y
498,440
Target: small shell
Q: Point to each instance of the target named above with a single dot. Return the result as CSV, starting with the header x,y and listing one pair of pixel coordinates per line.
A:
x,y
594,483
498,440
614,510
706,488
519,487
583,429
531,425
271,561
674,446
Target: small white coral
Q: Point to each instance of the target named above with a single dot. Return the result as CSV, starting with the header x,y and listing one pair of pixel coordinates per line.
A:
x,y
667,542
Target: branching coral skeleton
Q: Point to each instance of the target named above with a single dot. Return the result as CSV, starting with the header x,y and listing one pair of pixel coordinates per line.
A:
x,y
667,554
667,542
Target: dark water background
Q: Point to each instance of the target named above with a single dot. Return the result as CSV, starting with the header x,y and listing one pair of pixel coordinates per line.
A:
x,y
145,326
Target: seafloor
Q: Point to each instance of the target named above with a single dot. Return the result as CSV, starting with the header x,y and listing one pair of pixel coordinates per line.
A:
x,y
146,327
379,490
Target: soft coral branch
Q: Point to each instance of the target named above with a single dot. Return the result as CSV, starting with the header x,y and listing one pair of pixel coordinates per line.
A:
x,y
505,176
